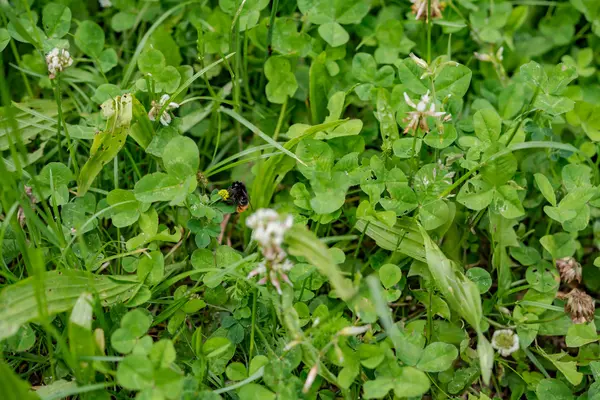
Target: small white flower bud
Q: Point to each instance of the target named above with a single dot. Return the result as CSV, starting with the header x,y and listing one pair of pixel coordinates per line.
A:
x,y
354,330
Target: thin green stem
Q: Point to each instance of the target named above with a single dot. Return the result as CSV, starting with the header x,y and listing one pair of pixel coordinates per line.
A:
x,y
253,323
61,124
429,26
280,120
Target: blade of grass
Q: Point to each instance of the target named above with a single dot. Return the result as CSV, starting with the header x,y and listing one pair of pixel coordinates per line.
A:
x,y
260,133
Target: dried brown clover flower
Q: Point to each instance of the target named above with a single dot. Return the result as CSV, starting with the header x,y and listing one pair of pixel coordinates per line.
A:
x,y
579,306
570,269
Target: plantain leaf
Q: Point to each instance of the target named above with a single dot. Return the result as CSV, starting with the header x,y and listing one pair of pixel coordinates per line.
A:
x,y
18,304
461,294
108,143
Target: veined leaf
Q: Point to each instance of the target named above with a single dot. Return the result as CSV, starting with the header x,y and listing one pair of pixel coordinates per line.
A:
x,y
461,294
18,304
107,144
404,237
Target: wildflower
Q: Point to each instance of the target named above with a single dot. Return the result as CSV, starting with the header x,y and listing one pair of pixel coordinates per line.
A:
x,y
419,8
224,193
423,109
570,269
105,3
505,341
579,306
268,230
310,379
57,60
165,118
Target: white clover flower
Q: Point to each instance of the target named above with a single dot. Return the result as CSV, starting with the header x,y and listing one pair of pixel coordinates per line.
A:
x,y
57,60
423,109
419,8
268,230
165,118
105,3
505,341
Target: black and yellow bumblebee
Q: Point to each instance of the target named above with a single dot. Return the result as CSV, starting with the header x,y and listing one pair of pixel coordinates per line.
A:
x,y
238,195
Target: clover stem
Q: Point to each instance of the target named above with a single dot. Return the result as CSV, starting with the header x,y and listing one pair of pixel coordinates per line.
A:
x,y
428,20
414,160
280,120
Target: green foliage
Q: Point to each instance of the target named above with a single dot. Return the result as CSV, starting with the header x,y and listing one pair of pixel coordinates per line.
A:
x,y
431,172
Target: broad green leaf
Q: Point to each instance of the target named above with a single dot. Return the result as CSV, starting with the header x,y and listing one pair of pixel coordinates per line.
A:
x,y
135,372
282,82
109,142
404,237
215,346
542,277
553,389
89,37
487,125
507,202
434,214
462,295
410,75
181,157
151,268
568,368
23,340
481,278
151,61
475,194
364,67
581,334
546,188
123,214
287,39
56,19
319,85
253,391
13,387
559,245
437,357
122,21
4,38
162,187
452,80
389,275
18,304
236,371
108,59
334,34
385,115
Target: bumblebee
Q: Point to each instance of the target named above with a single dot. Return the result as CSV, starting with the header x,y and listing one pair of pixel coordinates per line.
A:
x,y
238,195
